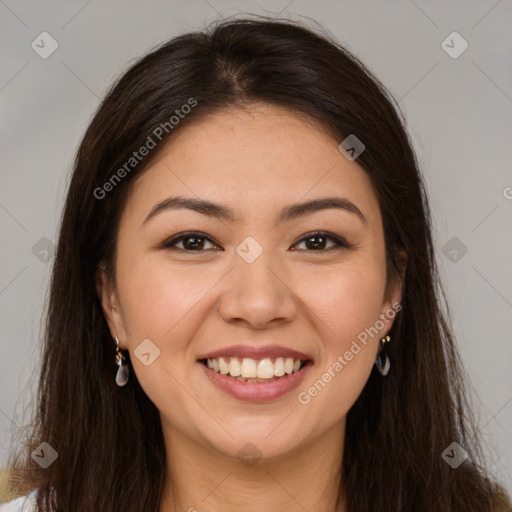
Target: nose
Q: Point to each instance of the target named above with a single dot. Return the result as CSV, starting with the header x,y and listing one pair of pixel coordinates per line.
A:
x,y
257,294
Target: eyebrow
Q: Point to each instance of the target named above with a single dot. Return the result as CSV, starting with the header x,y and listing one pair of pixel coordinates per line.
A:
x,y
222,212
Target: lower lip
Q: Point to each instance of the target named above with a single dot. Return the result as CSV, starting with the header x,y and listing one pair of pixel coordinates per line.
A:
x,y
256,391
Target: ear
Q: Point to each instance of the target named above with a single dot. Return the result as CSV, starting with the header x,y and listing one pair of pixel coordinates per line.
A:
x,y
394,287
107,294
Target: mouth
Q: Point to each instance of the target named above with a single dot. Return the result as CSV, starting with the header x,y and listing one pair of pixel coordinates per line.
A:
x,y
251,370
255,380
255,372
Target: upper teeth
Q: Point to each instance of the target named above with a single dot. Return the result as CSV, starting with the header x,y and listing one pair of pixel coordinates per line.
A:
x,y
252,368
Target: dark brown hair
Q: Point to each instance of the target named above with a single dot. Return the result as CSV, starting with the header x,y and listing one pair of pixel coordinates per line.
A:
x,y
109,440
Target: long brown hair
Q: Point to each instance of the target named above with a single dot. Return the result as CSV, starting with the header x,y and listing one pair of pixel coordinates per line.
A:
x,y
109,441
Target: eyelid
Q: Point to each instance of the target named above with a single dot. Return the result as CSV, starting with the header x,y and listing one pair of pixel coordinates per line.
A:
x,y
339,241
169,243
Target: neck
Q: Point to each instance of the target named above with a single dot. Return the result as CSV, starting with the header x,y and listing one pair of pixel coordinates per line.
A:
x,y
200,478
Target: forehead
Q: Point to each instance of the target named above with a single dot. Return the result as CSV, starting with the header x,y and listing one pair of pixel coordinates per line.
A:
x,y
250,158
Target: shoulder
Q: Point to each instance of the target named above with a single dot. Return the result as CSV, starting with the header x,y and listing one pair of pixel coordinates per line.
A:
x,y
20,504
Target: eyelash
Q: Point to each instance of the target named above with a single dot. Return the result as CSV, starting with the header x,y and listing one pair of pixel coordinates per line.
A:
x,y
339,242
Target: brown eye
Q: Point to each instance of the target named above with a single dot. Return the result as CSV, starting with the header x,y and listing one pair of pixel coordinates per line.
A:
x,y
318,242
190,242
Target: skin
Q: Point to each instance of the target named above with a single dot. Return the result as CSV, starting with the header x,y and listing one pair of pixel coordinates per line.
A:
x,y
188,303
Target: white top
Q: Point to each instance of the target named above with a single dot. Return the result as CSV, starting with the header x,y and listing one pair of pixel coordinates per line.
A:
x,y
22,504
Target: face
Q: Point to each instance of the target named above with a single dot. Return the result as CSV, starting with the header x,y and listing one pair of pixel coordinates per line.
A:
x,y
253,279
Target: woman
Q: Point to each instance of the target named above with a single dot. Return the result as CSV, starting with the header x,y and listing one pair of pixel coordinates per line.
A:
x,y
245,311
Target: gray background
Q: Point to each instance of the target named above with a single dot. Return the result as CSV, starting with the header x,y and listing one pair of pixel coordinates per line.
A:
x,y
458,112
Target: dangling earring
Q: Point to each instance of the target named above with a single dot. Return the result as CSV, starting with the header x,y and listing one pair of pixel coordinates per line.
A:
x,y
123,371
382,360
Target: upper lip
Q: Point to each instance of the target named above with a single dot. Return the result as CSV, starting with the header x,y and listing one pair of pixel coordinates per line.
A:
x,y
256,352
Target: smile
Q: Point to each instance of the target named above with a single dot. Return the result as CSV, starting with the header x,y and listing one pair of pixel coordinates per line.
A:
x,y
253,370
248,386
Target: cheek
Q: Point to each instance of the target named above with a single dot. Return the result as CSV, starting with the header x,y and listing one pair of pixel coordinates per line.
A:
x,y
348,303
346,307
162,305
157,299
